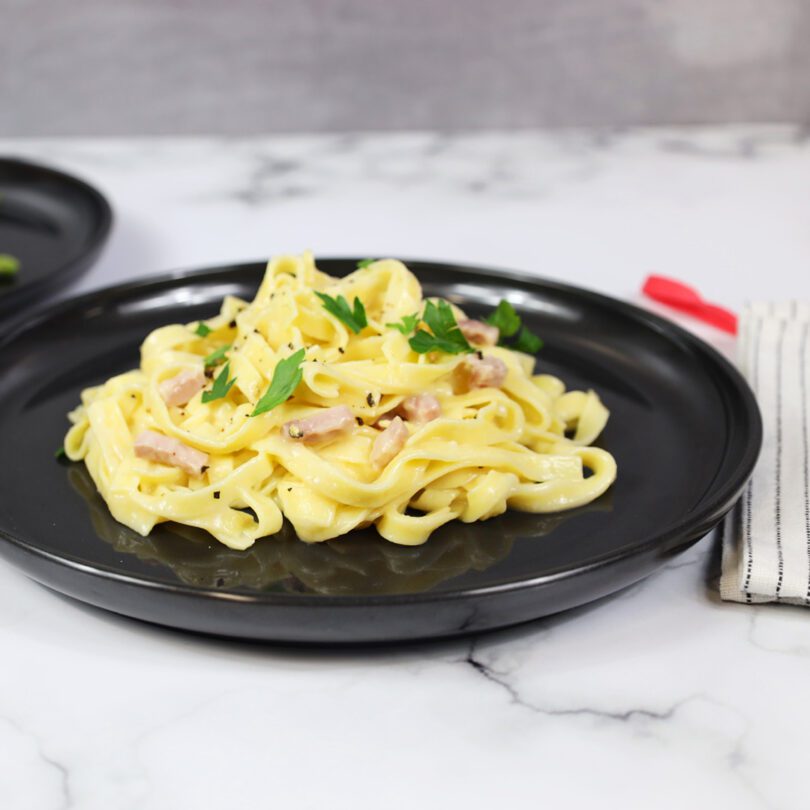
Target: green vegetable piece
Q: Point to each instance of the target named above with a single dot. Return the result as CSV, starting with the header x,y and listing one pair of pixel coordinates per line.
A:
x,y
406,325
202,330
221,385
285,380
216,356
509,324
527,342
9,265
365,263
446,337
60,453
505,318
354,318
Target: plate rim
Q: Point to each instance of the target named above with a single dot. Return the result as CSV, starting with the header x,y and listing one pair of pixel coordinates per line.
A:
x,y
694,524
67,271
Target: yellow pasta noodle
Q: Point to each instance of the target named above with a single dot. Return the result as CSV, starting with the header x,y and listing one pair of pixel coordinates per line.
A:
x,y
491,447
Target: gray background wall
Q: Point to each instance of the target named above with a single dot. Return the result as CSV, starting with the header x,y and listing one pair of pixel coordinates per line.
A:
x,y
110,67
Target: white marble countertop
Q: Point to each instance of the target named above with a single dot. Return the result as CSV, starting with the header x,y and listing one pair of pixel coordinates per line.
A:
x,y
661,697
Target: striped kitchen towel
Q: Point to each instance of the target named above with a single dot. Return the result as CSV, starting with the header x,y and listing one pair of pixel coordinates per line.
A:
x,y
766,537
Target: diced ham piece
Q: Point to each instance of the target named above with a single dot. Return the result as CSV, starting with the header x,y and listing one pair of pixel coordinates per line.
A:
x,y
168,450
321,426
479,333
179,390
476,371
389,443
420,408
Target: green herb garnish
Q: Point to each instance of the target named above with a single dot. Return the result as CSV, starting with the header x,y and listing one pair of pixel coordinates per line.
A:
x,y
60,453
509,324
216,356
407,324
354,318
446,337
527,342
9,265
221,385
285,380
365,263
505,318
202,330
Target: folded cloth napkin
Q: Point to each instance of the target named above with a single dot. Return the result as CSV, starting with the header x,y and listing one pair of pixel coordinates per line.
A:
x,y
766,536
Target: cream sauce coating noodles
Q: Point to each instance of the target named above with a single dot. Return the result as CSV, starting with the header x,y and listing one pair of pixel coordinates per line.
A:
x,y
489,449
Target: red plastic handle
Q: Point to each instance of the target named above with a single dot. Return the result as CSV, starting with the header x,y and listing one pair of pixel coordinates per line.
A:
x,y
677,295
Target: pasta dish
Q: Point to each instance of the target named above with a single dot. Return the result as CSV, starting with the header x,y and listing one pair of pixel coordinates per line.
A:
x,y
338,403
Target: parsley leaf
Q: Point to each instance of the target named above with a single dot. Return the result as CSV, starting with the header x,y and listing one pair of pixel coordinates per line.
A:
x,y
407,324
221,385
202,330
355,318
8,265
510,324
365,263
285,380
216,356
505,318
446,337
60,453
527,342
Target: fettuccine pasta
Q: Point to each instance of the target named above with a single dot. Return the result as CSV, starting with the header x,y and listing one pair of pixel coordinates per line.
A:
x,y
390,411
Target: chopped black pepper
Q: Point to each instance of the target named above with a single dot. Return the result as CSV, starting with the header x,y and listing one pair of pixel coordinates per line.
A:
x,y
209,372
232,325
341,350
204,468
359,421
216,495
290,346
289,489
370,399
256,332
479,354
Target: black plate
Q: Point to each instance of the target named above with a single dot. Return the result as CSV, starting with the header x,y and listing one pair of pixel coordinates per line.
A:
x,y
53,223
684,428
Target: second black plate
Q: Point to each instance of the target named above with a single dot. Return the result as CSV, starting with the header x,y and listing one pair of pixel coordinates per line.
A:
x,y
684,429
54,224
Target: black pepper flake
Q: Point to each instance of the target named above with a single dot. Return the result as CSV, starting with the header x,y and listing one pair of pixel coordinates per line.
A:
x,y
204,469
209,373
216,495
370,400
479,354
290,346
232,325
341,350
256,332
133,396
359,421
289,489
